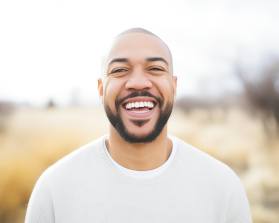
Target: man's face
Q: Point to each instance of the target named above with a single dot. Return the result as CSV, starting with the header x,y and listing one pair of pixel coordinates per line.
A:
x,y
138,90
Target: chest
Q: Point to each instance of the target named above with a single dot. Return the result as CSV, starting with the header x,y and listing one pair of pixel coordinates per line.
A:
x,y
150,203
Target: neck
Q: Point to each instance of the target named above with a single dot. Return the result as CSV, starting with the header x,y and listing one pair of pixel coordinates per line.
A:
x,y
139,156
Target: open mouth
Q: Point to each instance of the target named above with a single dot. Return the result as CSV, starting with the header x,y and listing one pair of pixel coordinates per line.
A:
x,y
139,107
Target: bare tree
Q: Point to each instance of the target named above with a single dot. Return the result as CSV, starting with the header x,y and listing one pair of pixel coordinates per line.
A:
x,y
262,93
6,109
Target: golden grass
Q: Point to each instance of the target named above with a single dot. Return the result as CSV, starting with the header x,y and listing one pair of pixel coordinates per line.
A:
x,y
36,138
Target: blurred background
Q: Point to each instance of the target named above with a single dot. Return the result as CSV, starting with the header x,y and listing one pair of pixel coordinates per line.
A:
x,y
226,57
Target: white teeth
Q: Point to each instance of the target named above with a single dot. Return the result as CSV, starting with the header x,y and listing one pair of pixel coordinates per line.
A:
x,y
139,104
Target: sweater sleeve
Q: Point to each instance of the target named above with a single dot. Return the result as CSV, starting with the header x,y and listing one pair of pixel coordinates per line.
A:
x,y
40,207
238,210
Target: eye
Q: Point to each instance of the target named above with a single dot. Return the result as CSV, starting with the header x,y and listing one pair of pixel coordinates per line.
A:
x,y
118,70
156,68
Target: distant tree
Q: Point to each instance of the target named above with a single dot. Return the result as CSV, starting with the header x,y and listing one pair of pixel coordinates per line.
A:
x,y
262,93
50,104
6,108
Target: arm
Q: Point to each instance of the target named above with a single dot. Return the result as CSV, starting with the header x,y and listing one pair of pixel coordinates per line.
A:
x,y
40,207
238,210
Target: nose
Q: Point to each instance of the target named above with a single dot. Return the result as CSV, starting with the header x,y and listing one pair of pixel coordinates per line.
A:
x,y
138,80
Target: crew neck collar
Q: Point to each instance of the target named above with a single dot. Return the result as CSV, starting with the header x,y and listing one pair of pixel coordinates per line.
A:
x,y
142,174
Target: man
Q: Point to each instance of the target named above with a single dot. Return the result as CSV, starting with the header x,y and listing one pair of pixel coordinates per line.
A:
x,y
137,173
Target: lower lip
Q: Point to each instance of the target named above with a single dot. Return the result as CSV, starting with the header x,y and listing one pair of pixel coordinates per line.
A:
x,y
140,114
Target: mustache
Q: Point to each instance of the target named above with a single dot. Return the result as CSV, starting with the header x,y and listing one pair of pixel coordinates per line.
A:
x,y
138,94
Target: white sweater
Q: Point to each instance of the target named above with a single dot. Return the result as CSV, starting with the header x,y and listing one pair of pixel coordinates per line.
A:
x,y
87,186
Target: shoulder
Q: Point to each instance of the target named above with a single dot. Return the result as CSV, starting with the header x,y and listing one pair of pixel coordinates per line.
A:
x,y
221,181
198,162
76,164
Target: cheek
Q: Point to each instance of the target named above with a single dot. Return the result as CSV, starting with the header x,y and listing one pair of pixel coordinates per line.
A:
x,y
166,88
111,91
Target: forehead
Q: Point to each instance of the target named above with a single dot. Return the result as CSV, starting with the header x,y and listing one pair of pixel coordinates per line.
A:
x,y
138,46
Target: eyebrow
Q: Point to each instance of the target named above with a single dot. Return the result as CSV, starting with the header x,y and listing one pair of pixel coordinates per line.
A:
x,y
149,59
119,60
152,59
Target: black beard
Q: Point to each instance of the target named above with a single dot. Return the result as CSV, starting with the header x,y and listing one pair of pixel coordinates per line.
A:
x,y
118,124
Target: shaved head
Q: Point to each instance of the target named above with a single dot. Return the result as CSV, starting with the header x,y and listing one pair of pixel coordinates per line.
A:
x,y
138,30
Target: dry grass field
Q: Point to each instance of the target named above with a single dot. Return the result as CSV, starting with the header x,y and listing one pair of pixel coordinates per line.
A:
x,y
35,138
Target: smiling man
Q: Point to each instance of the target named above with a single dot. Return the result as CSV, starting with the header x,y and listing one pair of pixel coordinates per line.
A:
x,y
138,173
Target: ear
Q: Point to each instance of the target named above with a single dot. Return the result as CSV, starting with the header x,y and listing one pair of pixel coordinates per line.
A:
x,y
174,82
100,87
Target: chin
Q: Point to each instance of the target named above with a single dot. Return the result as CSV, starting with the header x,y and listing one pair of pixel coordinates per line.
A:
x,y
139,131
136,137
